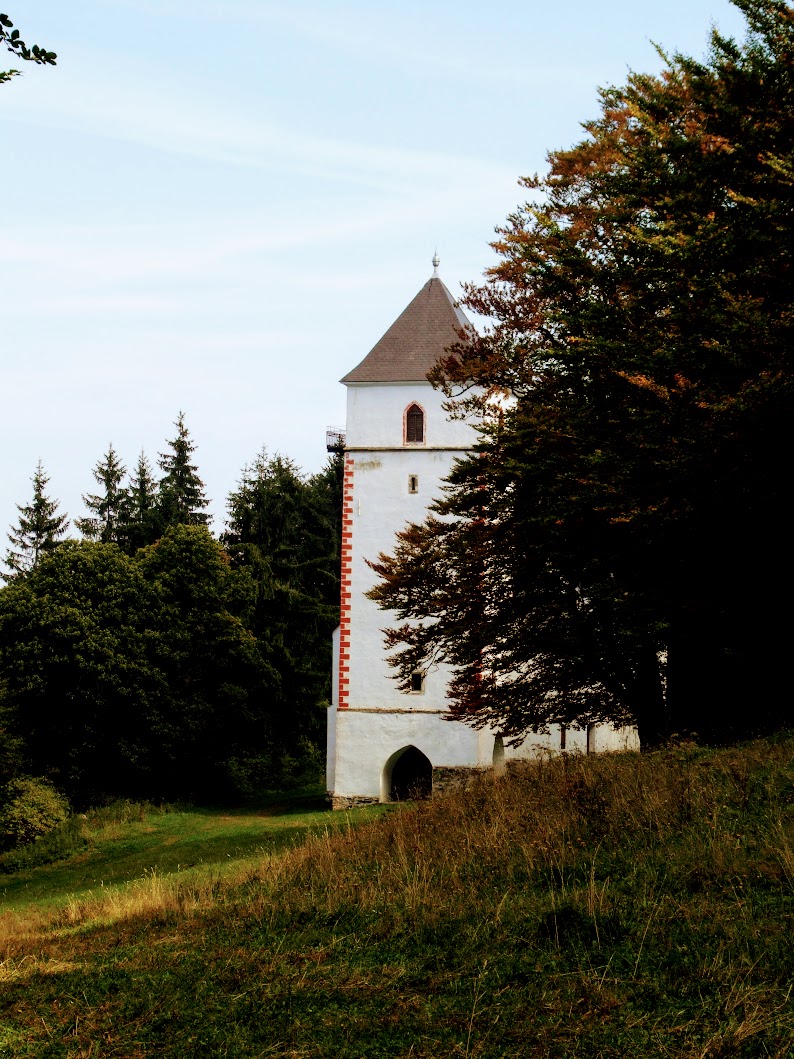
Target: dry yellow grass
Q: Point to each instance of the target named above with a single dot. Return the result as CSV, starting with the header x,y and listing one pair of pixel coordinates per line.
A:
x,y
620,905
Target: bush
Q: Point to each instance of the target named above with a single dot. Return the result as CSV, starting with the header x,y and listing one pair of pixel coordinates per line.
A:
x,y
62,842
30,807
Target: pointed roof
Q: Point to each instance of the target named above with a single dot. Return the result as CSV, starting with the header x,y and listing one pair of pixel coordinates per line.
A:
x,y
416,340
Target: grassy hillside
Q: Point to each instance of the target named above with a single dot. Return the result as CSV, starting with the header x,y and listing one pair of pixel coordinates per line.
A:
x,y
129,841
584,907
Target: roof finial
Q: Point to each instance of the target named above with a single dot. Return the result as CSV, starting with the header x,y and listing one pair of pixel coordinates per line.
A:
x,y
436,262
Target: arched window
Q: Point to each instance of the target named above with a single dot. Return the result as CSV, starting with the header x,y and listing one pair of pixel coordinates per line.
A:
x,y
414,425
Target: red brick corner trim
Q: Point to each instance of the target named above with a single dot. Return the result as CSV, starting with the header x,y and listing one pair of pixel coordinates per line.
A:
x,y
346,596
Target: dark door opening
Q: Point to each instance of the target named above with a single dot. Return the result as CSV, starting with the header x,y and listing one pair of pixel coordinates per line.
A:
x,y
411,776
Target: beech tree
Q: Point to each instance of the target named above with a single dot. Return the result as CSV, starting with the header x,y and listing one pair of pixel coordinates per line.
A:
x,y
616,547
139,675
38,530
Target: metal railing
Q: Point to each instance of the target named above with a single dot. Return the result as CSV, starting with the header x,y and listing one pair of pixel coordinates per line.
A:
x,y
334,438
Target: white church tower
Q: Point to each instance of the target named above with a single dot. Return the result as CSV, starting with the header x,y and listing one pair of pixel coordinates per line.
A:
x,y
399,447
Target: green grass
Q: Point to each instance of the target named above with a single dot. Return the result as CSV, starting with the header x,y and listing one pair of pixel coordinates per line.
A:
x,y
117,848
621,906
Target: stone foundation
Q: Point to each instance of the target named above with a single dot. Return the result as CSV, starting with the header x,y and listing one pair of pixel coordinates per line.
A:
x,y
341,801
455,777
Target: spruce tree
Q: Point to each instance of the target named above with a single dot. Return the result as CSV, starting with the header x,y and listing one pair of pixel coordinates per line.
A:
x,y
181,496
142,523
38,530
107,508
284,529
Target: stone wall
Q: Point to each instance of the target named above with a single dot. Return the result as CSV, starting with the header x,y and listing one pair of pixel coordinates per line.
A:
x,y
455,777
340,801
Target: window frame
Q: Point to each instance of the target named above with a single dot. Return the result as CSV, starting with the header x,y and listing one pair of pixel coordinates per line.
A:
x,y
410,408
421,689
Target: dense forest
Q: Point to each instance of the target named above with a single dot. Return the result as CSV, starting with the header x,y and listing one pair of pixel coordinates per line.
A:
x,y
149,658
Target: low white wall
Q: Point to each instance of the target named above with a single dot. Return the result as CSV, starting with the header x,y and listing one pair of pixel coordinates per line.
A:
x,y
366,741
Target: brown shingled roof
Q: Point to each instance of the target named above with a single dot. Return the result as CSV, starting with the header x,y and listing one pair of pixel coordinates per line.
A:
x,y
416,339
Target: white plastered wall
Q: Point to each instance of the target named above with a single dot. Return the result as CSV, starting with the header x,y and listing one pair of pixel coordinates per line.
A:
x,y
366,741
382,504
379,719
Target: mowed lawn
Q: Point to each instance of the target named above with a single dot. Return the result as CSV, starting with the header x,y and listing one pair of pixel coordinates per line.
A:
x,y
184,841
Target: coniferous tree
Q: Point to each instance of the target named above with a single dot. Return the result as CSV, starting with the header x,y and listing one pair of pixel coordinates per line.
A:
x,y
284,529
142,521
38,530
181,492
109,507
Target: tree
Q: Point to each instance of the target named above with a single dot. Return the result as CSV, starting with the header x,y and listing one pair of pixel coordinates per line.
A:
x,y
108,508
139,676
181,491
142,523
79,684
38,529
619,541
284,529
217,730
12,40
290,523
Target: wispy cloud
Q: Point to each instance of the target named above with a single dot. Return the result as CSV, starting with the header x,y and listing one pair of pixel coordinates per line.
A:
x,y
374,34
181,116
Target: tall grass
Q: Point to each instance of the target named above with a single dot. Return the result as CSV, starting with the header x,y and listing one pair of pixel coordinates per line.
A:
x,y
621,905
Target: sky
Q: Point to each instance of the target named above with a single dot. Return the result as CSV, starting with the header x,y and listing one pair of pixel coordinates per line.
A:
x,y
219,207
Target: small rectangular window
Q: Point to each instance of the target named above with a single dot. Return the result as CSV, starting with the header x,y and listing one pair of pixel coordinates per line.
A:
x,y
413,483
563,736
417,682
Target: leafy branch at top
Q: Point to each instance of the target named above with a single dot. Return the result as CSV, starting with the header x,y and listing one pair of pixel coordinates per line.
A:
x,y
12,40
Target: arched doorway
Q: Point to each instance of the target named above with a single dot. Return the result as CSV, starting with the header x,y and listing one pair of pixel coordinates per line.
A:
x,y
407,774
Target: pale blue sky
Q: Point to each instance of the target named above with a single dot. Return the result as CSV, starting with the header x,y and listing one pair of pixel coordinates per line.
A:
x,y
220,207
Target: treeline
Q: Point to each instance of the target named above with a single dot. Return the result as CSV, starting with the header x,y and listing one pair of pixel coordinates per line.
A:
x,y
150,659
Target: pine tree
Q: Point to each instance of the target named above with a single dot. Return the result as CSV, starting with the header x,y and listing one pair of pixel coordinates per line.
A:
x,y
142,522
108,508
38,529
181,495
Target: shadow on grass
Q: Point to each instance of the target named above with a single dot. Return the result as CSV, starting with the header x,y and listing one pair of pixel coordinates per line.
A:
x,y
184,839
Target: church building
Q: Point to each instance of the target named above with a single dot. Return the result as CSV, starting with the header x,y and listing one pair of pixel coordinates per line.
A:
x,y
399,446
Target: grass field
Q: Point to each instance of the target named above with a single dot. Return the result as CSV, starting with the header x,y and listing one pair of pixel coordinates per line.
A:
x,y
621,905
129,842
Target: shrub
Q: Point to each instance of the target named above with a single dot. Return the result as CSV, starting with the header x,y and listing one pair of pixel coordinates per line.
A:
x,y
62,842
30,807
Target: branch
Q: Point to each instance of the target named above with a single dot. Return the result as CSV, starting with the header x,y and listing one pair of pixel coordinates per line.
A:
x,y
12,40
